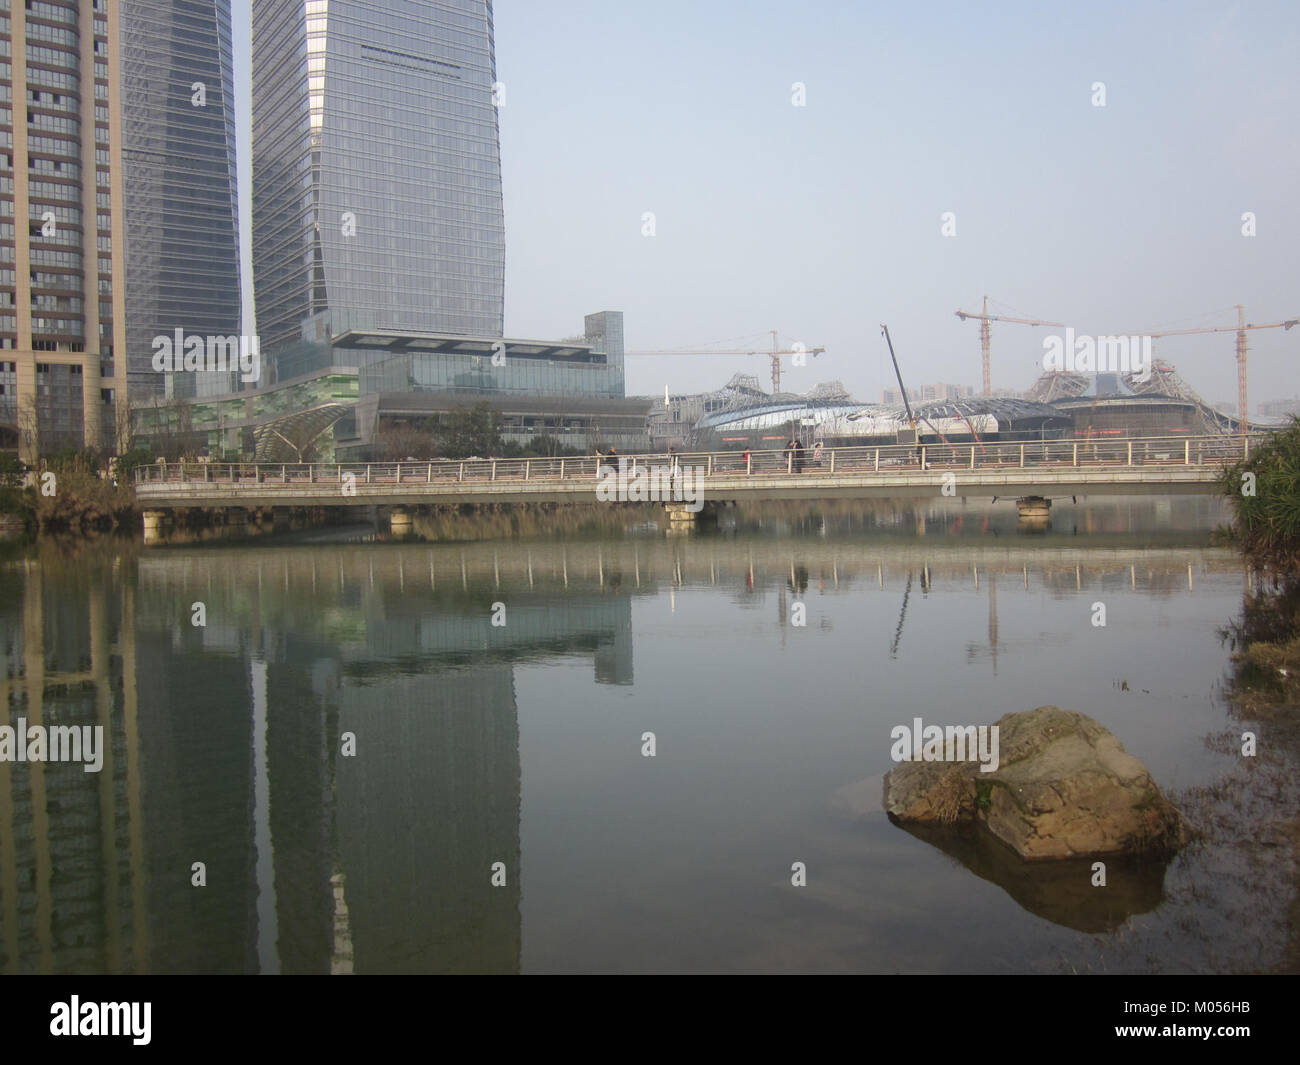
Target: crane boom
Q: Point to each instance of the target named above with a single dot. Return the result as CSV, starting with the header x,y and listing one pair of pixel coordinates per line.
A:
x,y
1241,328
986,335
773,352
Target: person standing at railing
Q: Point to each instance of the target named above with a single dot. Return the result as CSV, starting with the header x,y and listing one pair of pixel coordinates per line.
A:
x,y
817,454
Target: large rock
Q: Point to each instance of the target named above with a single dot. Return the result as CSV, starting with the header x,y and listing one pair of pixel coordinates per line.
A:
x,y
1064,788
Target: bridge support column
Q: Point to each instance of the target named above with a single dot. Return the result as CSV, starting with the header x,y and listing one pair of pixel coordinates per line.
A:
x,y
1034,509
682,519
399,521
155,526
237,521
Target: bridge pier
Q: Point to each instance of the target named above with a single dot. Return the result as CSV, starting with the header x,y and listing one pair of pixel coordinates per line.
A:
x,y
1034,508
682,519
237,521
1035,514
399,521
155,526
280,519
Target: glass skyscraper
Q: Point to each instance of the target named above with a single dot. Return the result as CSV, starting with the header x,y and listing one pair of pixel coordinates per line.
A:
x,y
178,160
376,169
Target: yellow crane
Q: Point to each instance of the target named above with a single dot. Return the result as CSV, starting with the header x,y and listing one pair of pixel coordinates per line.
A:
x,y
985,334
774,353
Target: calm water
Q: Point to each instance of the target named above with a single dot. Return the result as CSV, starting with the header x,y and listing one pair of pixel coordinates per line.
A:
x,y
522,743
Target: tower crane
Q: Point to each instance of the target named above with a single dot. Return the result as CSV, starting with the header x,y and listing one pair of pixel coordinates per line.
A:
x,y
985,334
1240,329
775,354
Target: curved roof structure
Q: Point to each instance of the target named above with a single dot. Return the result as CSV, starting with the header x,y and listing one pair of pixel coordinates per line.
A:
x,y
286,438
1067,390
957,417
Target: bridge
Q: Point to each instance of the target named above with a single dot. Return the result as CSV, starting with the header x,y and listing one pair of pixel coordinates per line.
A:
x,y
1019,470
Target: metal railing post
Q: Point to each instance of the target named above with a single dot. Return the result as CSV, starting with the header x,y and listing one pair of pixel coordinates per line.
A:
x,y
367,473
494,470
923,458
429,479
527,463
1187,452
1075,459
709,470
1130,453
832,462
789,462
460,476
561,469
1022,456
972,456
877,460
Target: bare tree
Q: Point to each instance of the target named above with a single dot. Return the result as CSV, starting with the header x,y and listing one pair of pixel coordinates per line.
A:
x,y
29,429
397,442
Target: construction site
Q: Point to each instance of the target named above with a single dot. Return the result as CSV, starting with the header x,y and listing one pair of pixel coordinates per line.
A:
x,y
1061,403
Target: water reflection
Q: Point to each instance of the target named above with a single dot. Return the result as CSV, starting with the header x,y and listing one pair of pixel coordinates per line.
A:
x,y
1062,891
228,741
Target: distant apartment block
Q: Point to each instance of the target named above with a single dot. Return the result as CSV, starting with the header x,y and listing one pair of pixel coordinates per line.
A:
x,y
1279,408
892,397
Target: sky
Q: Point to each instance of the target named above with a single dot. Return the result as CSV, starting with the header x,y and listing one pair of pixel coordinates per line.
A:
x,y
825,220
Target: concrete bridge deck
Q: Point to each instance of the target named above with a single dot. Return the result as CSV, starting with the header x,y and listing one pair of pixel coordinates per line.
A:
x,y
1153,465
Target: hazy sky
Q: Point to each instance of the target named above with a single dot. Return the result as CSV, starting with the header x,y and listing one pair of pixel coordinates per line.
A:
x,y
823,221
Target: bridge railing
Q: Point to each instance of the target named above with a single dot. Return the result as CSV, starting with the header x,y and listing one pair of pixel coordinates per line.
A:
x,y
885,458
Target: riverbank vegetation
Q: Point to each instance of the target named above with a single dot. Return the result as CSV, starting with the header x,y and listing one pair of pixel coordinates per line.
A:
x,y
72,492
1264,490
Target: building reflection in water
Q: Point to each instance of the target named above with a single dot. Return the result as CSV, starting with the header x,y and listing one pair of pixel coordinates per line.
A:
x,y
227,749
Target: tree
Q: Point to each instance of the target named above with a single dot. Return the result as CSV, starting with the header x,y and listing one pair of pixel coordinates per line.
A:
x,y
1265,494
29,428
470,431
399,441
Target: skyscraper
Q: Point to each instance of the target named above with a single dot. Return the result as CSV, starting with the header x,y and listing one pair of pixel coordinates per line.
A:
x,y
376,169
117,204
178,155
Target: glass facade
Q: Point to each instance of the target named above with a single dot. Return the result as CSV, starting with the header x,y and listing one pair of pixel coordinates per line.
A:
x,y
377,170
430,372
179,183
59,406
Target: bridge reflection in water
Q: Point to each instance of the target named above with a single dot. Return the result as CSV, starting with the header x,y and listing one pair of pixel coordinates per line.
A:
x,y
226,739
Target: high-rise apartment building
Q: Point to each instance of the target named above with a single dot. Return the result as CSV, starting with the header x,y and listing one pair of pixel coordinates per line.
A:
x,y
117,205
376,169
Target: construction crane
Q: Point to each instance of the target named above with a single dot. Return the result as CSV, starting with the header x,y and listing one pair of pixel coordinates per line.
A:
x,y
1240,329
911,415
985,334
775,353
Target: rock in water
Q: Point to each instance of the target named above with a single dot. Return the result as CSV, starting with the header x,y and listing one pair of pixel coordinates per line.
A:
x,y
1064,788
